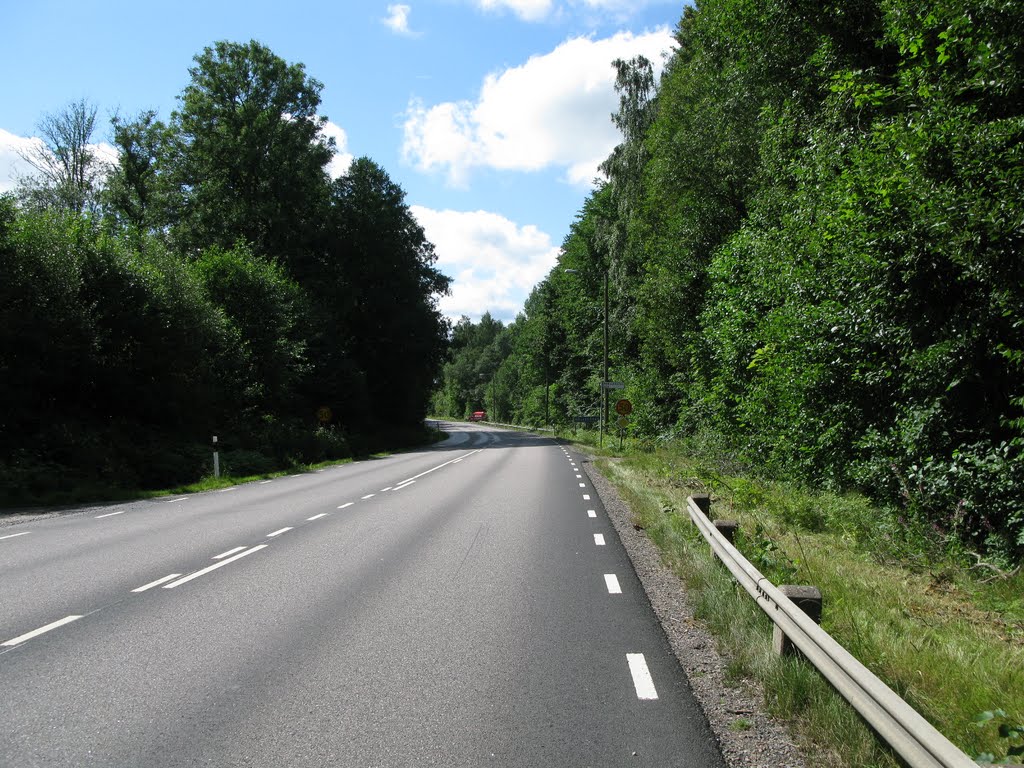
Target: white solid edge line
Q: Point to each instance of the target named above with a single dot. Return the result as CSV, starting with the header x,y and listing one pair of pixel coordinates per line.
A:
x,y
230,552
111,514
215,566
264,482
317,517
279,532
175,501
346,504
599,539
591,513
156,583
12,535
642,680
225,490
612,582
36,632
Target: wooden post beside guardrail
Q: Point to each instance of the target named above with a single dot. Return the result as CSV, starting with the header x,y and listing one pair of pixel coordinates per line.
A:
x,y
808,600
913,738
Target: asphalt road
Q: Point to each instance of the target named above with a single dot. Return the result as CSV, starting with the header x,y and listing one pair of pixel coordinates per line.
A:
x,y
466,605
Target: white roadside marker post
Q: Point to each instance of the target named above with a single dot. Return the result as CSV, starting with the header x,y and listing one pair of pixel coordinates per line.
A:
x,y
216,459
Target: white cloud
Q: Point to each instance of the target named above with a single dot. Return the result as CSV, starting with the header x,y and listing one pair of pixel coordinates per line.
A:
x,y
342,159
493,261
552,111
527,10
12,166
398,20
541,10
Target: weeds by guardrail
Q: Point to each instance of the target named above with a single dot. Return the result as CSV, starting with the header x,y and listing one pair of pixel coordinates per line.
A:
x,y
912,737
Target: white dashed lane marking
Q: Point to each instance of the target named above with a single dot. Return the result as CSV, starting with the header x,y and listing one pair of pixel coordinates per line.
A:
x,y
279,532
586,497
317,517
591,513
599,539
157,583
346,505
368,496
612,582
230,552
215,566
642,680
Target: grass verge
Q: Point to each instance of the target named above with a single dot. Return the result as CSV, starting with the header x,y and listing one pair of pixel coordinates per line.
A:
x,y
97,492
946,637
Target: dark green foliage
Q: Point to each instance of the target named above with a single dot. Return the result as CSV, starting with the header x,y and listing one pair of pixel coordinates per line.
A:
x,y
813,231
223,286
247,158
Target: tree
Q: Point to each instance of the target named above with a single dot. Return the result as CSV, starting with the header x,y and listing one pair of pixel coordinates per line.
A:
x,y
379,284
68,172
136,191
249,158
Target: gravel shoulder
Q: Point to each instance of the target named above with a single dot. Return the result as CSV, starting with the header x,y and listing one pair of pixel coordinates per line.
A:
x,y
748,736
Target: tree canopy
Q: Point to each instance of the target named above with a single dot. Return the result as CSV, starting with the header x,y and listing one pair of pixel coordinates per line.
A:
x,y
215,281
812,231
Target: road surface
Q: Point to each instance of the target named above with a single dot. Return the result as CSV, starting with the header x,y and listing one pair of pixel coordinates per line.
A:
x,y
464,605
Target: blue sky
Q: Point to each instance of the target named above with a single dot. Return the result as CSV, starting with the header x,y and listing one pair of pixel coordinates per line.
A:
x,y
491,114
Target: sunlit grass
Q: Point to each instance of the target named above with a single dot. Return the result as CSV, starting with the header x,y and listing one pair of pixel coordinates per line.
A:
x,y
925,623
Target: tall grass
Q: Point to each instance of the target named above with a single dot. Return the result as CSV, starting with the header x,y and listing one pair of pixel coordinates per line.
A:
x,y
907,606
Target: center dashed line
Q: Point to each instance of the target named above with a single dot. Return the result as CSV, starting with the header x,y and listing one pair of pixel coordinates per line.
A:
x,y
158,582
215,566
230,552
368,496
317,517
279,532
42,630
346,505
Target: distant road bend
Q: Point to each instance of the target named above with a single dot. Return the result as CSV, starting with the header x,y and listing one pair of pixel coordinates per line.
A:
x,y
464,605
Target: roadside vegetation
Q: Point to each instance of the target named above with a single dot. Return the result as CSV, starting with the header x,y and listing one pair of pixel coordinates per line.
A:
x,y
940,627
810,237
216,280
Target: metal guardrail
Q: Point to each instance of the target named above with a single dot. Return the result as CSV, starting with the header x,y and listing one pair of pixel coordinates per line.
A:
x,y
911,736
516,426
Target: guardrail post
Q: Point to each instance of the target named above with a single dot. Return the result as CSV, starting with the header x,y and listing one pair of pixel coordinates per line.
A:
x,y
808,600
728,529
703,501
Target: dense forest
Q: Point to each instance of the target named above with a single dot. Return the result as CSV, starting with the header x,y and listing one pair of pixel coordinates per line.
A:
x,y
811,237
214,281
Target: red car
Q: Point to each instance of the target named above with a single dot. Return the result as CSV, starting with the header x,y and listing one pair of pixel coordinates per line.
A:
x,y
478,416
